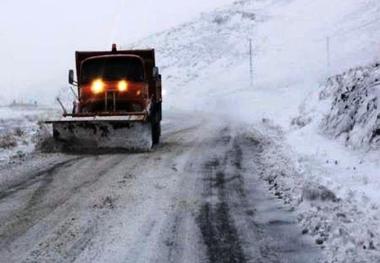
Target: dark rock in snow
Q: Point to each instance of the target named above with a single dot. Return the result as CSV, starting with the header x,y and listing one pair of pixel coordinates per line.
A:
x,y
319,241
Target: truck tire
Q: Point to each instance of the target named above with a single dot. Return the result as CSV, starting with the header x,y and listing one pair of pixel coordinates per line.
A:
x,y
55,134
156,132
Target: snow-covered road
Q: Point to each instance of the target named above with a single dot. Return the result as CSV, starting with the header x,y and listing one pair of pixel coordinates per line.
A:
x,y
196,198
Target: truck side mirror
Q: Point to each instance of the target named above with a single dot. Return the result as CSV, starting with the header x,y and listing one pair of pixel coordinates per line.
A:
x,y
156,72
71,77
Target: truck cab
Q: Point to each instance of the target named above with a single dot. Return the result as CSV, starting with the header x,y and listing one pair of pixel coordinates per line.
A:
x,y
123,82
113,84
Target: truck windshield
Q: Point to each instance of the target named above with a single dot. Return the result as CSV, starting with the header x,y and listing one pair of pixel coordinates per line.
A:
x,y
112,68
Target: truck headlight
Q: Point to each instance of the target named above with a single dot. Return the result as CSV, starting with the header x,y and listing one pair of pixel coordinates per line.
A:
x,y
122,86
97,86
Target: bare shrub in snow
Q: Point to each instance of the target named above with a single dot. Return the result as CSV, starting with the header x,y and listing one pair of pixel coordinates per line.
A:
x,y
248,15
19,132
314,192
301,121
43,138
8,141
220,19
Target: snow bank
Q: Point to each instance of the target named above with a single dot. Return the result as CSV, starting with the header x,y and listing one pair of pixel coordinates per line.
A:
x,y
20,131
355,107
343,112
327,196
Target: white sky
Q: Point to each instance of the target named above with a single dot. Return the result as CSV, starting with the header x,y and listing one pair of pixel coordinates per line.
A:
x,y
38,38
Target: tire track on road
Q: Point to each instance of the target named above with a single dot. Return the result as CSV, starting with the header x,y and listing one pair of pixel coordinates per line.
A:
x,y
217,226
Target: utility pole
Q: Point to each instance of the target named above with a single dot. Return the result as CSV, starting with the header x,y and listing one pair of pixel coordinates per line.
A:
x,y
328,55
250,62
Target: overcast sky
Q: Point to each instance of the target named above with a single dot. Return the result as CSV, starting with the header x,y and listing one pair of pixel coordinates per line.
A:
x,y
39,37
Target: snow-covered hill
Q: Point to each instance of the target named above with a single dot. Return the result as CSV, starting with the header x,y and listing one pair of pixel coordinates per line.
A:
x,y
198,59
205,63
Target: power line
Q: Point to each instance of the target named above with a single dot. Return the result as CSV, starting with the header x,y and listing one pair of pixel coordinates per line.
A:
x,y
347,31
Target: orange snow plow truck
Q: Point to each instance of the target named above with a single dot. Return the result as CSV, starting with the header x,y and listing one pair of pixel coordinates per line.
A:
x,y
118,104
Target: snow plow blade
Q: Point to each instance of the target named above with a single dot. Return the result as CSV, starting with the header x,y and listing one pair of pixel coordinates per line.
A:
x,y
126,133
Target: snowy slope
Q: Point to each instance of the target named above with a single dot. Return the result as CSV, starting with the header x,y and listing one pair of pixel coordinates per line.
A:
x,y
196,58
205,63
343,112
355,107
